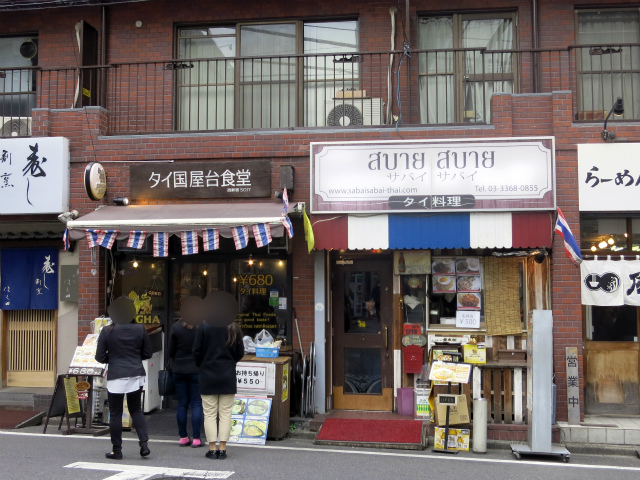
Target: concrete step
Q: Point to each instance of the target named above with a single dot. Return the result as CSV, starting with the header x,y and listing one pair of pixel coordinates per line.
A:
x,y
36,399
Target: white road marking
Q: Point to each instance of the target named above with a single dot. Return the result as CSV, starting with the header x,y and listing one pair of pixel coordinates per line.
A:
x,y
381,453
139,472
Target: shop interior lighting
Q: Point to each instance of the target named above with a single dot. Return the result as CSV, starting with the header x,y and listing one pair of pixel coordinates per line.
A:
x,y
280,263
135,263
611,241
593,248
602,244
121,201
204,273
617,109
250,260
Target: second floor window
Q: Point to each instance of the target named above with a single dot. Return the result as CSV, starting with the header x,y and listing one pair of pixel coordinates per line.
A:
x,y
269,75
18,56
468,59
608,66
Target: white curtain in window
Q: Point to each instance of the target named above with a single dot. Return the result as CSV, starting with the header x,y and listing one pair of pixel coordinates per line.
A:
x,y
607,71
436,70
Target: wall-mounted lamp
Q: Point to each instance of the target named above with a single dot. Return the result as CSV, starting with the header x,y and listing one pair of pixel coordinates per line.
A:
x,y
540,256
617,109
122,201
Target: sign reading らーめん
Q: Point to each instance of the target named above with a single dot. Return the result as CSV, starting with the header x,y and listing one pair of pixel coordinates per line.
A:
x,y
201,180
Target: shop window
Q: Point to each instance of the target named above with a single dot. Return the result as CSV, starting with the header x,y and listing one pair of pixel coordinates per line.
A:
x,y
18,56
261,287
142,279
457,75
612,324
247,75
607,234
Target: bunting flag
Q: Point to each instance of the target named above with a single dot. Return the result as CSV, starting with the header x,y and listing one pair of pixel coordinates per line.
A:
x,y
136,239
308,231
287,225
262,234
570,245
103,238
210,239
65,238
189,242
160,244
240,236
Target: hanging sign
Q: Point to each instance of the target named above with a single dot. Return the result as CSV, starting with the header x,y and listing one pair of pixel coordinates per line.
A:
x,y
601,283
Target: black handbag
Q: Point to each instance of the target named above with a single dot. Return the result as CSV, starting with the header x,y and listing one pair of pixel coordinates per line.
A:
x,y
165,382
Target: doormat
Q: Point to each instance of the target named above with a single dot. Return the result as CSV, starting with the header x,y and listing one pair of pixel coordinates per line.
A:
x,y
19,418
405,434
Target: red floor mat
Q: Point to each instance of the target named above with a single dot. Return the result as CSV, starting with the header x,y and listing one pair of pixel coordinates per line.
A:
x,y
12,418
378,431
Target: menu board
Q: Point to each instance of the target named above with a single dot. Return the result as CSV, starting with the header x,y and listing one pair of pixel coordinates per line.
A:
x,y
84,362
450,372
460,275
250,420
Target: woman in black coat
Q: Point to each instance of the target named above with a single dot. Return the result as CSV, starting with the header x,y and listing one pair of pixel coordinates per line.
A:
x,y
217,348
123,346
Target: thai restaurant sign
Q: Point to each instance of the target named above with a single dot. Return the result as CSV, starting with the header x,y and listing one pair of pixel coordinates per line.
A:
x,y
34,175
201,180
609,177
418,176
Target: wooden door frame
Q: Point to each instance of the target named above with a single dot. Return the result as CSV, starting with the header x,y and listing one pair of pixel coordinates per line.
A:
x,y
374,402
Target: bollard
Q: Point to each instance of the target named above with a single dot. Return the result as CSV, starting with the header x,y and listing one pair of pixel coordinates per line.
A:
x,y
479,425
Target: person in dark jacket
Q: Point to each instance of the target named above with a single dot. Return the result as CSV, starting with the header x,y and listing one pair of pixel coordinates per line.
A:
x,y
123,346
185,372
217,348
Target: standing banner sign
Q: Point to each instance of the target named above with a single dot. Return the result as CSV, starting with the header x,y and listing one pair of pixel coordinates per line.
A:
x,y
631,282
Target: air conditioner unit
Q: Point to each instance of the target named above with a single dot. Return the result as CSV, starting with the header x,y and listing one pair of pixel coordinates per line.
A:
x,y
354,111
15,127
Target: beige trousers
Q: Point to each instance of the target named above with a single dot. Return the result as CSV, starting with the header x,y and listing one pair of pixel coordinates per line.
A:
x,y
217,416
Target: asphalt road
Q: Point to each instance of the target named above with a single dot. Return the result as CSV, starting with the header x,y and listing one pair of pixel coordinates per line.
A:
x,y
27,453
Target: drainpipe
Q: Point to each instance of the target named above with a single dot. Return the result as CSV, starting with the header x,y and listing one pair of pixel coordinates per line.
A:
x,y
103,58
392,12
536,44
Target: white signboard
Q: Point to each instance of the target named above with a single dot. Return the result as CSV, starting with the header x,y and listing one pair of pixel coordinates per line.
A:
x,y
256,378
34,175
467,319
609,177
418,176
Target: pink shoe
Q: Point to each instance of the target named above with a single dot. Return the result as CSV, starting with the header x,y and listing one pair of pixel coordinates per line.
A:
x,y
196,443
185,442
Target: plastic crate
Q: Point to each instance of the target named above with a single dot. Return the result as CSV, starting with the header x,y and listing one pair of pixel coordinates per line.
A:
x,y
263,352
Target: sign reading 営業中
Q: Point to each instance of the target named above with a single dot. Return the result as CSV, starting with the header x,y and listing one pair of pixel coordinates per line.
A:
x,y
573,385
609,177
34,175
418,176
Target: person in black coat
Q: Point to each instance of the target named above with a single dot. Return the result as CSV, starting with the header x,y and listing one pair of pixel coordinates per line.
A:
x,y
123,346
217,348
185,372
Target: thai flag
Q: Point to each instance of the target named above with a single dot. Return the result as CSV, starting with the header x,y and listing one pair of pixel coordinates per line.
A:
x,y
189,242
65,238
136,239
240,236
285,201
210,239
287,225
262,234
103,238
160,244
570,245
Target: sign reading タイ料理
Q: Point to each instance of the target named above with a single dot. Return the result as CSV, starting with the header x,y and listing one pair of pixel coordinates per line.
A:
x,y
418,176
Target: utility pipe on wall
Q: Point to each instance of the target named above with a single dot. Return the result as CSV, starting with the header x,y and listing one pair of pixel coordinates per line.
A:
x,y
392,12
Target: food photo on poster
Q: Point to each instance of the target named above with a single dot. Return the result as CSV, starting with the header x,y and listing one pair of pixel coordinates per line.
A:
x,y
250,420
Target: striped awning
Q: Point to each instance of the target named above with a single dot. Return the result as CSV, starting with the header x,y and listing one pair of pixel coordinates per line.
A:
x,y
415,231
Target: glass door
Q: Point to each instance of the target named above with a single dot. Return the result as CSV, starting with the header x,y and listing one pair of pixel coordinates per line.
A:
x,y
362,335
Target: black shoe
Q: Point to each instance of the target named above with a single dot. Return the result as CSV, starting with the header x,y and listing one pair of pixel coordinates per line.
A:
x,y
114,455
211,454
144,450
221,454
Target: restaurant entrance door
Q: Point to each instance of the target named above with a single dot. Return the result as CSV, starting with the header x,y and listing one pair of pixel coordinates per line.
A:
x,y
362,334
